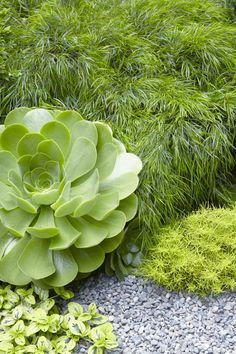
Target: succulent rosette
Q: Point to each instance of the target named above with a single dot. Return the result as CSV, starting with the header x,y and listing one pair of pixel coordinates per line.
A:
x,y
66,192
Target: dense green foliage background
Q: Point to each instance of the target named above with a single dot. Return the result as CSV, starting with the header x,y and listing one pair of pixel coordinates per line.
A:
x,y
161,72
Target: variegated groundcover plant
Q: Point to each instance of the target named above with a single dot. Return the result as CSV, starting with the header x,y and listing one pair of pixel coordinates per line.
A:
x,y
66,192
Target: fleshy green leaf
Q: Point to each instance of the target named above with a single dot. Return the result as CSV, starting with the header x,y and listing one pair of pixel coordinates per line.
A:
x,y
9,270
69,118
129,206
38,160
16,116
50,148
45,197
123,184
11,136
85,206
29,143
24,163
68,207
66,269
64,196
45,226
91,233
86,186
106,160
36,118
53,167
7,162
59,133
104,134
7,198
126,163
81,159
67,234
36,259
110,244
88,259
85,129
16,221
114,223
26,205
5,241
104,204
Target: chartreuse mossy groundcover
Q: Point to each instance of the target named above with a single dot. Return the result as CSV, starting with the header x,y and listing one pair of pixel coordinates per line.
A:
x,y
196,254
66,192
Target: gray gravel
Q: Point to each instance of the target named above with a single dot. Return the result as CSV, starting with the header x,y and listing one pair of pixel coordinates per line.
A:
x,y
149,319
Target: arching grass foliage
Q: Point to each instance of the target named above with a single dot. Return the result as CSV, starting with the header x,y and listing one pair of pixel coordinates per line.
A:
x,y
161,72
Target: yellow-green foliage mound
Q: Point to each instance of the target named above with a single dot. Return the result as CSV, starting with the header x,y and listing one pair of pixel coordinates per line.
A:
x,y
198,254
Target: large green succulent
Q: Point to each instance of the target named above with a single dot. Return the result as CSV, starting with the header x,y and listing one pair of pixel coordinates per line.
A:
x,y
66,193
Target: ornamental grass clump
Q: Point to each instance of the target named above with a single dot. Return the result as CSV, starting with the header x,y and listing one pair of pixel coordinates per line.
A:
x,y
197,254
161,72
66,192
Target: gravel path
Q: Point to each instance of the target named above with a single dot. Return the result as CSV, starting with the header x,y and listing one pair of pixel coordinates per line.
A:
x,y
148,319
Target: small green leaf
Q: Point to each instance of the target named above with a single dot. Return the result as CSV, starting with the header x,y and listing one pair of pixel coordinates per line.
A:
x,y
75,309
65,294
8,321
43,294
44,344
31,329
77,328
95,350
20,339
